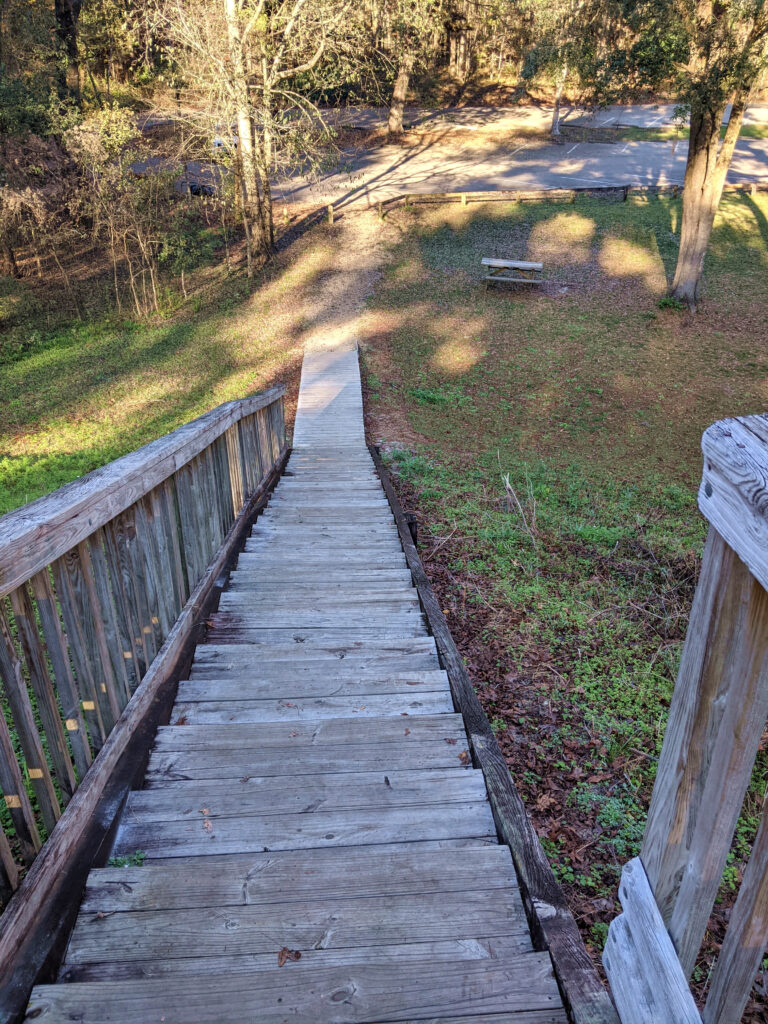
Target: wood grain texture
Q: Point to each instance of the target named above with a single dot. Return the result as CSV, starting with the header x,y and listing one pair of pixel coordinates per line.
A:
x,y
66,689
229,763
716,719
42,688
37,534
16,799
499,947
315,924
742,952
733,494
309,685
298,735
364,993
646,978
310,708
251,833
299,876
23,716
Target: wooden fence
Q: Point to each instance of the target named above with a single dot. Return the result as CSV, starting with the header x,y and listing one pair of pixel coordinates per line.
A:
x,y
93,580
716,722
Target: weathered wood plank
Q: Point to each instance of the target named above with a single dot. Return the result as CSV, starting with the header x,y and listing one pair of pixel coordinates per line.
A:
x,y
39,533
72,595
733,494
66,688
297,876
42,688
130,599
123,669
496,948
405,619
367,993
647,981
744,946
308,685
9,869
716,719
15,798
332,731
348,651
369,921
182,801
303,634
310,709
246,833
350,757
15,688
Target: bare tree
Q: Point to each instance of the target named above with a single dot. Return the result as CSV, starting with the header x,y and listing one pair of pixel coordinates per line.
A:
x,y
243,61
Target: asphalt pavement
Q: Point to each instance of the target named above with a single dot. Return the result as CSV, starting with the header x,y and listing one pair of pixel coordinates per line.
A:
x,y
438,163
370,176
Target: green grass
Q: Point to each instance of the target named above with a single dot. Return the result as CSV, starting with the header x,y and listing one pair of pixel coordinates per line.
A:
x,y
666,133
75,395
569,591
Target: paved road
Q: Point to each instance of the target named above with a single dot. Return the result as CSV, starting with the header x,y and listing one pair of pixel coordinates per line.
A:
x,y
645,115
440,163
375,175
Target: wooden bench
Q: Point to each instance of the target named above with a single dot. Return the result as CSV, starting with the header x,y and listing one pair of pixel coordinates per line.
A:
x,y
503,270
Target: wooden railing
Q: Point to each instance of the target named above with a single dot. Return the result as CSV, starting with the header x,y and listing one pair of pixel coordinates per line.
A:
x,y
93,579
716,722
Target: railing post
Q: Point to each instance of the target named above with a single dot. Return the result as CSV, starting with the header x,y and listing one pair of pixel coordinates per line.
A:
x,y
716,721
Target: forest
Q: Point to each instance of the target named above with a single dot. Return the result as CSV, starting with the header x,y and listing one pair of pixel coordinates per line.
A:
x,y
104,104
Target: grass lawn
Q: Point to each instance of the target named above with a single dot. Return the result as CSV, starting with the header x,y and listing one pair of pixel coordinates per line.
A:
x,y
550,443
668,132
76,395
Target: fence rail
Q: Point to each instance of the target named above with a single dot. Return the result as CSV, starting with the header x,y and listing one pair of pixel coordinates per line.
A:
x,y
716,722
92,580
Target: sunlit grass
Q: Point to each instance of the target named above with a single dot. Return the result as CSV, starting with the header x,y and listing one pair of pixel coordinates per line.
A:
x,y
83,394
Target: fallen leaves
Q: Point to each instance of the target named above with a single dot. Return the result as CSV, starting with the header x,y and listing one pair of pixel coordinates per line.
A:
x,y
286,954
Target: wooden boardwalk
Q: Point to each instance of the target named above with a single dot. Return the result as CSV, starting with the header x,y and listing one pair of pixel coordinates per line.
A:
x,y
318,847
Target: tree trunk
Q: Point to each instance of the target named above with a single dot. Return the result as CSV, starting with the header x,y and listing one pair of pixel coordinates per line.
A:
x,y
246,135
705,173
399,94
67,16
561,79
10,266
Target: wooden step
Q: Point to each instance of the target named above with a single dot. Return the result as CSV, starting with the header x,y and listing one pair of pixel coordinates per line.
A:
x,y
386,729
258,686
438,991
251,833
239,763
370,921
333,873
310,708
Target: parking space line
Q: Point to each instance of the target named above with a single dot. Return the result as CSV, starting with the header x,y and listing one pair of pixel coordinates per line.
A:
x,y
572,149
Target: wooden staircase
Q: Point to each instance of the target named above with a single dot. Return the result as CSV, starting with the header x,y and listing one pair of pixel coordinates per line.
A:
x,y
311,843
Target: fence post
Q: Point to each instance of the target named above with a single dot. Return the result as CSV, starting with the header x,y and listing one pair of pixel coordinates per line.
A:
x,y
716,721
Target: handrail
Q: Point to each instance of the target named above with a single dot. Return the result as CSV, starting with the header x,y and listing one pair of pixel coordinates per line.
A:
x,y
716,721
93,579
33,536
